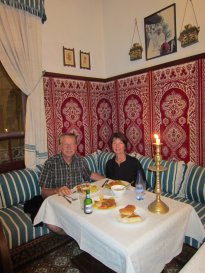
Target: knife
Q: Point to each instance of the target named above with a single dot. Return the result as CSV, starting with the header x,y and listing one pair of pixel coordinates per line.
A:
x,y
105,183
67,199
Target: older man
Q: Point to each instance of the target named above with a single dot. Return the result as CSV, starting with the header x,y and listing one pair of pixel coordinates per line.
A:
x,y
64,171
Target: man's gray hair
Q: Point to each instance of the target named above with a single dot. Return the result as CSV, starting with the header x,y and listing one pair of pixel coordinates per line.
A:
x,y
67,134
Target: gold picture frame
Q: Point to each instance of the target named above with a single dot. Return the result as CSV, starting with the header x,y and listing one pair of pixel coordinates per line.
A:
x,y
69,57
85,60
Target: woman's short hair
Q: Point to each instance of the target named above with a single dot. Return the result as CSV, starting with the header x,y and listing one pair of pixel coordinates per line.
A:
x,y
120,136
67,134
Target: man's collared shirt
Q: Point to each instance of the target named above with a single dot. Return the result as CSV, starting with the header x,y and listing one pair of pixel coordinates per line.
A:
x,y
57,173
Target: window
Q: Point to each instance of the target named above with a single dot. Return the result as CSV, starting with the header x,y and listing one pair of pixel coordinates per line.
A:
x,y
12,121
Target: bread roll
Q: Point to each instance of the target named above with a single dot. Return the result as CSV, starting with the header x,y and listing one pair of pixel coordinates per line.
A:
x,y
128,215
130,219
128,210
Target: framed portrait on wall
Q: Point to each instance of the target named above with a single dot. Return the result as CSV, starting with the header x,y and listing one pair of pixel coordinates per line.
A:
x,y
85,60
160,33
68,57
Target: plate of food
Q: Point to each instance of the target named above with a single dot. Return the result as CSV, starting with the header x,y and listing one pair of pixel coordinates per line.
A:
x,y
103,202
130,214
111,183
81,188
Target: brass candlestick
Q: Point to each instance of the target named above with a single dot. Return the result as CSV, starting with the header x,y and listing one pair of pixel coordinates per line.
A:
x,y
158,206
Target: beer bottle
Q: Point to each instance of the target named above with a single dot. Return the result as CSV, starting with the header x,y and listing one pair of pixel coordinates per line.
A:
x,y
88,203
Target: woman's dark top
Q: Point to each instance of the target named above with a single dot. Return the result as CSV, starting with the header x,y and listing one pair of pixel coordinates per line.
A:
x,y
126,171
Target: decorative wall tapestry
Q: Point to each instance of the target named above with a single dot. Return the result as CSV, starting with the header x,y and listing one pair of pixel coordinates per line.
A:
x,y
166,101
176,111
134,112
67,110
202,121
103,114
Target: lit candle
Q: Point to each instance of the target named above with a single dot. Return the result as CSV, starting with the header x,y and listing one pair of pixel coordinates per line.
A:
x,y
157,139
6,130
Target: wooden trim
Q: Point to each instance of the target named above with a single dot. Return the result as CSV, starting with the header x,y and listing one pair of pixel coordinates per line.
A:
x,y
160,66
65,76
144,70
5,259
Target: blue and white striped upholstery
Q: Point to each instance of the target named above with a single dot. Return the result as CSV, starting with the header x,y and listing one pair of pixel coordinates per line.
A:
x,y
170,179
193,187
103,158
92,161
39,168
18,186
18,227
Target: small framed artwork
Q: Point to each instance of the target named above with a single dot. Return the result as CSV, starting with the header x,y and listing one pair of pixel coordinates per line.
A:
x,y
160,33
69,57
85,60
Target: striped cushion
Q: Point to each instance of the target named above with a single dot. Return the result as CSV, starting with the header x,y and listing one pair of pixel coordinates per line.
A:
x,y
193,187
39,168
170,179
92,161
18,227
18,186
103,157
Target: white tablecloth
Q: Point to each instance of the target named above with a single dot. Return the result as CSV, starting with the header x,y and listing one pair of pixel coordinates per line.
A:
x,y
126,248
197,262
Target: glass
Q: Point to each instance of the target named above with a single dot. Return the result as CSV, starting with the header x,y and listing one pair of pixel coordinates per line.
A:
x,y
140,186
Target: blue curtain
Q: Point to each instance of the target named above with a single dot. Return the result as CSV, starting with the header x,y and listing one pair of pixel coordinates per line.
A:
x,y
35,7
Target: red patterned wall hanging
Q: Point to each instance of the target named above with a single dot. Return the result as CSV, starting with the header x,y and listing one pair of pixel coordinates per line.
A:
x,y
67,110
176,108
103,114
202,84
168,101
134,112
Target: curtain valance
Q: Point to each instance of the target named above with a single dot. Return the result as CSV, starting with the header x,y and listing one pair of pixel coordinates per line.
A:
x,y
35,7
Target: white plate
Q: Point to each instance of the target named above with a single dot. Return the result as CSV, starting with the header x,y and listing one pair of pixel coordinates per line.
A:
x,y
105,197
94,189
139,211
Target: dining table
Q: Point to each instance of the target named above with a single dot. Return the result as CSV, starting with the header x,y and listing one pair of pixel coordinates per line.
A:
x,y
140,247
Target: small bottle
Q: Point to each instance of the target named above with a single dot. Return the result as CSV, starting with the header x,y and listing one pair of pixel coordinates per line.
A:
x,y
88,203
140,186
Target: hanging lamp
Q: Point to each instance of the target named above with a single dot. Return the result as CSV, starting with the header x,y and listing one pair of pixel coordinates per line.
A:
x,y
189,35
136,48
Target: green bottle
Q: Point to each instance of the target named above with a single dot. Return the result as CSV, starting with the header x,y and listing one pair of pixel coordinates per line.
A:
x,y
88,203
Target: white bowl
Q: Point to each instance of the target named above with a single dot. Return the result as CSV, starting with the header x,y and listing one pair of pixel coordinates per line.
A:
x,y
118,190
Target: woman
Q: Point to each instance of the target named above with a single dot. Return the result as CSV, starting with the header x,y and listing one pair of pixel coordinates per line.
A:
x,y
122,166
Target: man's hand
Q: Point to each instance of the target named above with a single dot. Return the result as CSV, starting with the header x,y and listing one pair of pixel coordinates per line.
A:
x,y
61,191
64,191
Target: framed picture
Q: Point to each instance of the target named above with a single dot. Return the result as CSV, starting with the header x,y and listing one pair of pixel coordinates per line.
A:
x,y
84,60
160,33
69,56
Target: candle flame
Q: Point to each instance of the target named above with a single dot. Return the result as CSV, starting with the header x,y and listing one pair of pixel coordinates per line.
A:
x,y
156,136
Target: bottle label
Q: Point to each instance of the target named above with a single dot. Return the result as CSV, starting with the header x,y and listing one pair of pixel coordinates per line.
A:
x,y
88,208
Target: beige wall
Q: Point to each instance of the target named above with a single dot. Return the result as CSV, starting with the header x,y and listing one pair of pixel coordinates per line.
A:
x,y
105,28
73,24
